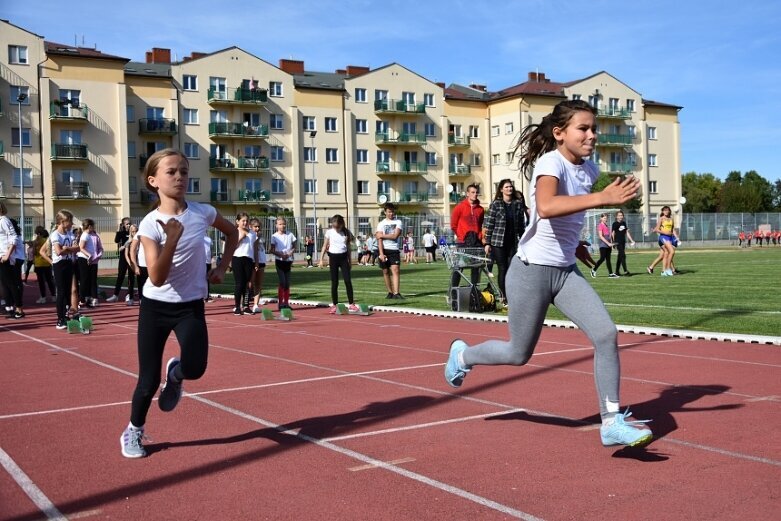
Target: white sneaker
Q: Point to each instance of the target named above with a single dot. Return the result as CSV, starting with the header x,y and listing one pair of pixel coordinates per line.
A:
x,y
127,297
41,300
256,309
130,302
94,302
112,298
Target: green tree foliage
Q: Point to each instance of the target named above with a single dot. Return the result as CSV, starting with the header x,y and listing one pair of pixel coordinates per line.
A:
x,y
605,179
777,195
701,192
746,193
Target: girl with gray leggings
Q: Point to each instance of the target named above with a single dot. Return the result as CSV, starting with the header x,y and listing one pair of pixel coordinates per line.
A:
x,y
544,272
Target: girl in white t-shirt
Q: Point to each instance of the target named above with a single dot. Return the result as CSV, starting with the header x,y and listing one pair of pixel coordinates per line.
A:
x,y
337,243
545,270
63,249
260,264
283,246
243,264
172,237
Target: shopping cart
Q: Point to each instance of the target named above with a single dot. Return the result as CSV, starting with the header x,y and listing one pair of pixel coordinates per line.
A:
x,y
462,293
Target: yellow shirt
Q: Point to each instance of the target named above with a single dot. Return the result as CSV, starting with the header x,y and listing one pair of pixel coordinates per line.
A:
x,y
666,226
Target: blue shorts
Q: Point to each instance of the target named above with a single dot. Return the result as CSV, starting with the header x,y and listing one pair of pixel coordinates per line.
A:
x,y
668,238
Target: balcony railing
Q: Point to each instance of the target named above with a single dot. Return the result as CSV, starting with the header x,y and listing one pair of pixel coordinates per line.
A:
x,y
2,150
73,190
253,196
405,138
459,169
259,164
239,95
238,130
458,141
614,139
455,197
69,152
402,167
412,197
614,112
160,126
619,168
389,106
216,196
66,111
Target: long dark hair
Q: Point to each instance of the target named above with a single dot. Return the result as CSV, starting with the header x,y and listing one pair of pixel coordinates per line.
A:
x,y
338,220
499,195
538,139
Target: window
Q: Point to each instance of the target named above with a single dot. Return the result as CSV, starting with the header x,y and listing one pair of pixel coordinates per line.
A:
x,y
277,153
476,160
652,187
275,89
428,100
333,186
69,98
191,150
509,157
70,137
474,131
613,103
494,130
155,113
431,129
432,188
253,185
380,95
219,189
576,97
194,185
652,160
362,156
651,132
15,91
381,127
408,98
331,155
508,128
309,123
383,156
409,127
27,175
131,112
189,82
363,189
190,116
71,176
218,116
276,121
17,55
330,124
383,187
630,105
310,154
218,88
360,95
361,127
25,137
132,184
495,158
252,151
131,149
431,158
310,185
251,120
277,186
632,131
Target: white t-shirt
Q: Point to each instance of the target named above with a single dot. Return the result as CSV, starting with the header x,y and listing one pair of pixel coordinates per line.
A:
x,y
337,243
186,280
7,235
283,243
65,240
552,242
261,258
85,241
207,248
245,247
429,240
386,227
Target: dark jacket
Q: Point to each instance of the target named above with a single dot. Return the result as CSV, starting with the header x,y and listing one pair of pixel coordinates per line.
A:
x,y
496,221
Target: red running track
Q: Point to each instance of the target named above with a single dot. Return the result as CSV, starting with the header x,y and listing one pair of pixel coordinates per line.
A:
x,y
349,417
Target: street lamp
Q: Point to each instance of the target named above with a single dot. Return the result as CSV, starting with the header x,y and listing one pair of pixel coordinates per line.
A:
x,y
312,135
20,99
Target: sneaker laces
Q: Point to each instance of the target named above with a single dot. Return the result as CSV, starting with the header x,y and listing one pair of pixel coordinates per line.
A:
x,y
622,416
136,436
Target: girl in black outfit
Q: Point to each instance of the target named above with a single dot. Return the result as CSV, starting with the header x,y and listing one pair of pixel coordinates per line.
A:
x,y
619,234
121,240
504,224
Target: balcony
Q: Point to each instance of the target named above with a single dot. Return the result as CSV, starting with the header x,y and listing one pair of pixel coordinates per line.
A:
x,y
619,140
459,170
456,198
457,141
237,130
614,113
2,150
216,196
242,164
389,106
142,159
401,168
147,197
252,196
403,139
159,126
62,152
407,198
63,111
237,96
618,168
73,190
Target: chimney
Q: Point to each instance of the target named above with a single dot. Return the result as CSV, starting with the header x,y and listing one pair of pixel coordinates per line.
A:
x,y
532,76
441,84
541,77
292,66
343,72
194,56
158,55
481,88
355,70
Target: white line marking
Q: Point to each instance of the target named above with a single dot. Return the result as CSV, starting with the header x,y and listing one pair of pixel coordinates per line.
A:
x,y
370,467
35,494
771,398
66,409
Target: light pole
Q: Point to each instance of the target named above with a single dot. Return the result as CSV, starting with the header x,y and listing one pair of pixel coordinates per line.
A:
x,y
20,99
312,135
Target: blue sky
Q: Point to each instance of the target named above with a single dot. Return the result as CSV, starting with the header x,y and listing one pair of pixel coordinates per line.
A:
x,y
719,60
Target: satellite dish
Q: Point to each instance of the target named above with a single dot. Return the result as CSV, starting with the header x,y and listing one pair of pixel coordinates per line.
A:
x,y
682,200
450,189
383,199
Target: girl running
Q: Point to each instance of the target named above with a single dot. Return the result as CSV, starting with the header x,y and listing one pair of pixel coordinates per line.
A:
x,y
337,243
172,235
668,241
243,264
283,246
545,271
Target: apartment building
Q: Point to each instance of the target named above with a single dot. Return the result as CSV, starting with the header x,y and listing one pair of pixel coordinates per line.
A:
x,y
281,139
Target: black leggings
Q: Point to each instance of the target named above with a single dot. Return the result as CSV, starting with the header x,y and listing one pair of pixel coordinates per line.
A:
x,y
142,276
604,256
156,320
85,279
242,275
63,280
283,273
503,255
11,287
27,268
44,274
122,269
621,257
336,262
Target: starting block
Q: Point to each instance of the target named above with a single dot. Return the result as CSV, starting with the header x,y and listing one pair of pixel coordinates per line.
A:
x,y
83,325
363,309
284,314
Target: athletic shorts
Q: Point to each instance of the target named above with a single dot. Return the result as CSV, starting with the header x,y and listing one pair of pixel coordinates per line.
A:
x,y
392,258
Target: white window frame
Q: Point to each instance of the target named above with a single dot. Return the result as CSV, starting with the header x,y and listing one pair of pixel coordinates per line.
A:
x,y
495,131
310,186
331,124
194,185
187,116
332,186
430,129
278,186
277,153
276,121
380,95
360,95
309,123
14,92
188,148
26,175
509,127
362,156
630,105
361,126
362,188
476,159
652,160
190,82
474,132
652,187
331,155
428,100
651,132
310,154
131,149
275,89
431,158
18,55
496,159
26,137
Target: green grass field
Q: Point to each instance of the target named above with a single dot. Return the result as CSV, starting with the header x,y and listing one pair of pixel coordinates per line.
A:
x,y
720,290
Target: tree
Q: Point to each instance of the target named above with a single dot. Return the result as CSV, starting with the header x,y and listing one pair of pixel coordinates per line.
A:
x,y
701,192
605,179
746,193
777,195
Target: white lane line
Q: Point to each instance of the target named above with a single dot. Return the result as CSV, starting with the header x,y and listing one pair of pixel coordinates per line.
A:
x,y
708,358
65,409
35,494
370,467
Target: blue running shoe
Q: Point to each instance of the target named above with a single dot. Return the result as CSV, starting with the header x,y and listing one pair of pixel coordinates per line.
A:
x,y
454,373
622,432
132,444
171,392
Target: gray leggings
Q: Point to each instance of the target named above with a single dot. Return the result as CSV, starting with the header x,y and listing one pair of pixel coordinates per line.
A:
x,y
531,289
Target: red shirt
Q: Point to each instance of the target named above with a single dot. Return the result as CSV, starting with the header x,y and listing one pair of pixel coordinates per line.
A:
x,y
467,218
